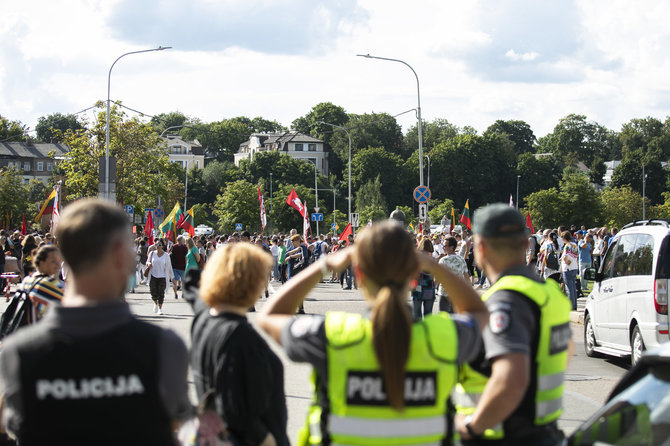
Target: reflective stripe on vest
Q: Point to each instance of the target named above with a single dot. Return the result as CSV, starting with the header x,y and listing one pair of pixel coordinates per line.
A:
x,y
358,411
551,357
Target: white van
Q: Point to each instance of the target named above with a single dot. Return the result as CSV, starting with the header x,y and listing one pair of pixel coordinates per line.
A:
x,y
203,230
627,311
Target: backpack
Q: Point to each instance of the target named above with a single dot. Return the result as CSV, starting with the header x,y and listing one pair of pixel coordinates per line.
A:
x,y
552,259
17,314
536,255
318,250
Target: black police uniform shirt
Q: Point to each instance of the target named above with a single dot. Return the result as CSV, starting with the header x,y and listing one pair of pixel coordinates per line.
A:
x,y
513,328
304,340
84,323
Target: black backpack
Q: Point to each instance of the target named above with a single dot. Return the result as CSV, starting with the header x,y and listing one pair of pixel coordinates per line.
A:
x,y
17,314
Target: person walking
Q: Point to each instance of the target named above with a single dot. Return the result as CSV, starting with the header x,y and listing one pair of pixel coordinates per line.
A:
x,y
90,372
192,255
570,267
160,273
143,254
457,265
378,379
513,392
281,258
229,359
585,245
423,294
178,262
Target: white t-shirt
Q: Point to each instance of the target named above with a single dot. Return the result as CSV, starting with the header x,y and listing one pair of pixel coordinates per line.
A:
x,y
456,265
438,250
546,248
570,257
161,267
274,250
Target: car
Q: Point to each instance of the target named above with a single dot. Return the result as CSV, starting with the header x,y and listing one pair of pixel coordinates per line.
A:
x,y
637,412
627,311
203,230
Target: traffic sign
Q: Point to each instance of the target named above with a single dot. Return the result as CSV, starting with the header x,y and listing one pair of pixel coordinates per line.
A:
x,y
159,214
317,217
130,209
354,219
238,226
316,209
422,194
334,226
423,211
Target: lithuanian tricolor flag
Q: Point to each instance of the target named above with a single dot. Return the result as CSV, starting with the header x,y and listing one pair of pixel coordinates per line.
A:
x,y
186,222
169,226
465,217
48,206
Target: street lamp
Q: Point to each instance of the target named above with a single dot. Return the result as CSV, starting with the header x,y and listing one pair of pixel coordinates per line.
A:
x,y
418,108
517,191
644,193
349,136
270,201
109,78
428,181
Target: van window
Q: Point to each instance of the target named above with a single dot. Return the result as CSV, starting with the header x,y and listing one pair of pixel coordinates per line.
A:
x,y
643,257
623,255
606,268
663,265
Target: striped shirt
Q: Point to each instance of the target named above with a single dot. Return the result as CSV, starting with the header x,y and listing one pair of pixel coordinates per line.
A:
x,y
43,291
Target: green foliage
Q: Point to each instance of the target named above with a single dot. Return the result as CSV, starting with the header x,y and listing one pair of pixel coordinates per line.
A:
x,y
409,215
372,212
12,131
373,162
284,216
238,203
284,169
13,196
172,121
662,210
546,207
369,195
50,129
370,130
434,132
537,173
620,206
647,136
340,219
442,209
597,171
519,132
310,124
629,173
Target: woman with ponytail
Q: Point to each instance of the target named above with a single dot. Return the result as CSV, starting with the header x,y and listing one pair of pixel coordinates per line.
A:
x,y
379,378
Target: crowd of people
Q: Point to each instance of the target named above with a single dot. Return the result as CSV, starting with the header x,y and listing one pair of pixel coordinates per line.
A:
x,y
382,377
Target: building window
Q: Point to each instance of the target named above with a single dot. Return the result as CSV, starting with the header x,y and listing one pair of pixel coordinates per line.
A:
x,y
299,147
197,164
311,147
26,167
40,166
50,166
313,161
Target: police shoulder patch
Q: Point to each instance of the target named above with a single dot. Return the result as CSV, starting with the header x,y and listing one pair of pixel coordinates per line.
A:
x,y
499,321
305,325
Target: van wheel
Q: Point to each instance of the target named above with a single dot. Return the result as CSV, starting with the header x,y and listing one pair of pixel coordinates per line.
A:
x,y
636,346
589,338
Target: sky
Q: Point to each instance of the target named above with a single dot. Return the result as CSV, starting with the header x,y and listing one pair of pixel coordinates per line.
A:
x,y
477,60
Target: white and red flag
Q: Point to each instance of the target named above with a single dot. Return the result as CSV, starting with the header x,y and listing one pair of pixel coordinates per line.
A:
x,y
264,220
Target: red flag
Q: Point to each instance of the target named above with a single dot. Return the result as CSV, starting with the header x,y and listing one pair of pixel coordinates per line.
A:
x,y
465,217
346,233
294,201
264,220
529,224
23,224
149,228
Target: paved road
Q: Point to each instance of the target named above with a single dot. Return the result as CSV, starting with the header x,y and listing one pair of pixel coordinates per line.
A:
x,y
588,383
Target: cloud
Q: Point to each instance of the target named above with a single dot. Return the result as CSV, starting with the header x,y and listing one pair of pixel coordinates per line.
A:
x,y
265,26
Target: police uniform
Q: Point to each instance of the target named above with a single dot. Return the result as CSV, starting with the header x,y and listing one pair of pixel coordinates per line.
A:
x,y
530,316
93,375
350,405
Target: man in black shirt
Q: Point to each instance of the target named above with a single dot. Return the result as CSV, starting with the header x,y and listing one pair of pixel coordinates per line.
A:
x,y
90,372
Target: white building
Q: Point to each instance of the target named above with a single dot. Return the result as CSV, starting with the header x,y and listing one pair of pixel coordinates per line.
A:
x,y
188,154
295,144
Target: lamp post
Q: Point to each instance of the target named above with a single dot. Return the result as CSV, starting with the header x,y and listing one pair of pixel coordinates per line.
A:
x,y
644,193
316,197
517,191
349,136
109,78
428,183
418,107
270,202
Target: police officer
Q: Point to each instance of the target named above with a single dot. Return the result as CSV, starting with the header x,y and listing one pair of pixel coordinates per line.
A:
x,y
512,395
379,379
90,372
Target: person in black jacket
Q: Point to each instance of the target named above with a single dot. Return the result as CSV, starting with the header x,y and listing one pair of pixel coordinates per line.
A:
x,y
229,359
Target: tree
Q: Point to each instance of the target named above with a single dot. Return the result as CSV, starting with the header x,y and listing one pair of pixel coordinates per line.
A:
x,y
310,124
50,128
597,171
340,218
370,195
172,120
621,205
284,216
648,135
284,168
519,132
444,208
13,195
238,203
370,130
546,208
12,131
371,213
629,173
434,132
537,173
374,162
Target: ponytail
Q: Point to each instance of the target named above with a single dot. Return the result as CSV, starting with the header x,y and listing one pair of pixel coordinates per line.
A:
x,y
391,337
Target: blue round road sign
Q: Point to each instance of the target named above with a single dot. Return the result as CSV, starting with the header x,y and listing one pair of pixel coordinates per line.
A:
x,y
422,194
159,214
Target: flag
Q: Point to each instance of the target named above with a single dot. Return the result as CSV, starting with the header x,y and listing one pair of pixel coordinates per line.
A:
x,y
186,222
346,233
411,226
169,226
23,224
465,217
264,220
149,228
55,215
511,201
529,224
294,201
47,207
453,218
